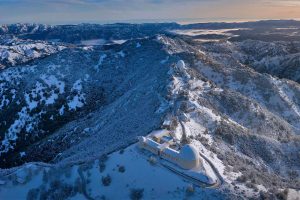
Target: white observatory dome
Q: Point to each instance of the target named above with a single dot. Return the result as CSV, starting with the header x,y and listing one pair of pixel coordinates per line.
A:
x,y
189,157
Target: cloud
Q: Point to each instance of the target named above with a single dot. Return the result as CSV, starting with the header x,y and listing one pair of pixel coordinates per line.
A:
x,y
283,3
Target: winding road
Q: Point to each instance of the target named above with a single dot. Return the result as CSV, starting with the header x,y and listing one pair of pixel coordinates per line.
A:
x,y
216,171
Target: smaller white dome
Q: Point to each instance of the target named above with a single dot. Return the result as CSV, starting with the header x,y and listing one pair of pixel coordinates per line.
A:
x,y
181,64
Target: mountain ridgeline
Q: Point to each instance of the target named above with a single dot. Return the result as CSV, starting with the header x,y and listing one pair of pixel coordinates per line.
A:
x,y
71,93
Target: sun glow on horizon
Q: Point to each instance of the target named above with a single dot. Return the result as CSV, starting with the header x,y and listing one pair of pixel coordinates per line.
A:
x,y
97,11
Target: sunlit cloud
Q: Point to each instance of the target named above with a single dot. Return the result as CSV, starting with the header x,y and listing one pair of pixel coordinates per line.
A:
x,y
282,3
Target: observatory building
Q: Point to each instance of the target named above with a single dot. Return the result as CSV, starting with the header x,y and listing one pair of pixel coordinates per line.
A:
x,y
161,143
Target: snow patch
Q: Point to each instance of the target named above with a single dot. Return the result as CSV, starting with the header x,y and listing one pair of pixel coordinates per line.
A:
x,y
121,53
78,100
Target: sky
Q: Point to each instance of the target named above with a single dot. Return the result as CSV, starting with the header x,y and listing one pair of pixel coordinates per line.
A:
x,y
108,11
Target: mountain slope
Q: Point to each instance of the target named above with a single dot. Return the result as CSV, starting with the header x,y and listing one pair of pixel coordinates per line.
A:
x,y
82,102
112,86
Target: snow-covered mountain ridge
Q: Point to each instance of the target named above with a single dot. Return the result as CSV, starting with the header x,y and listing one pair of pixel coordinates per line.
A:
x,y
238,101
20,52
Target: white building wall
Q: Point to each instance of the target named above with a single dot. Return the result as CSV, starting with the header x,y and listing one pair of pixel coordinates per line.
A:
x,y
169,157
168,154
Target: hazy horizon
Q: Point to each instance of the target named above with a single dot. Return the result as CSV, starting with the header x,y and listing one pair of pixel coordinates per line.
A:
x,y
140,21
138,11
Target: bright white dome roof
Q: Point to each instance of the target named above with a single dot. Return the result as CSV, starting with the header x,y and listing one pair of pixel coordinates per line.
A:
x,y
189,153
180,64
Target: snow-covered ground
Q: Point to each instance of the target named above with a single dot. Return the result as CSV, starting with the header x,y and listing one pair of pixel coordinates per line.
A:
x,y
130,172
18,52
227,98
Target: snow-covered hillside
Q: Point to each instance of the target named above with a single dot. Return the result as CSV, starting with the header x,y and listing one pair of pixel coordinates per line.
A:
x,y
98,92
280,59
22,28
238,102
128,171
14,51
